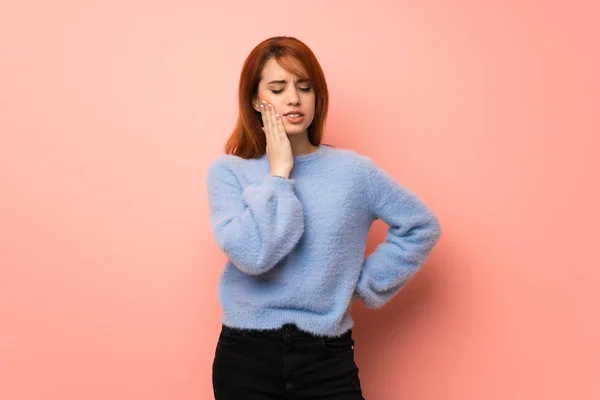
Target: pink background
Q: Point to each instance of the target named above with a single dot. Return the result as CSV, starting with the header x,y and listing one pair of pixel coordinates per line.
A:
x,y
111,112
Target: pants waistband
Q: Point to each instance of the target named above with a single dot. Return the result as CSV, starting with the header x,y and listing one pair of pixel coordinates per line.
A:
x,y
287,330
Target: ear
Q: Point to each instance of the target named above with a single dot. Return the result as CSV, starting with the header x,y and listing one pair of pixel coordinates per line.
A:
x,y
255,103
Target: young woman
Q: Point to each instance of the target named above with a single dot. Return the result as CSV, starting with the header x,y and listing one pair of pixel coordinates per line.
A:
x,y
292,216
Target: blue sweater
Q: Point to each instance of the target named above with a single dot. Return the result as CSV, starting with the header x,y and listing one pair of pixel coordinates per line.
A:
x,y
296,246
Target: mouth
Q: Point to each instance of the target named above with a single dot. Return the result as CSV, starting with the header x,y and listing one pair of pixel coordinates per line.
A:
x,y
294,117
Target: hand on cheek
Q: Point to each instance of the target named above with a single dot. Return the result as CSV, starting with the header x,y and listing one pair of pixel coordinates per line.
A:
x,y
279,151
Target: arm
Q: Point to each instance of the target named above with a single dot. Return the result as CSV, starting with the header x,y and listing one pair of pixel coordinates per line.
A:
x,y
256,226
413,232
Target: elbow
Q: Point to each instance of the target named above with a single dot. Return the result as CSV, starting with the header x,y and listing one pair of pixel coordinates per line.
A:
x,y
435,227
253,266
250,257
252,269
426,234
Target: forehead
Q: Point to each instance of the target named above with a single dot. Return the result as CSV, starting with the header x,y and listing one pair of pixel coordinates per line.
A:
x,y
274,71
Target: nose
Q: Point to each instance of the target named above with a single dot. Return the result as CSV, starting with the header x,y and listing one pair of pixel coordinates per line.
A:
x,y
293,97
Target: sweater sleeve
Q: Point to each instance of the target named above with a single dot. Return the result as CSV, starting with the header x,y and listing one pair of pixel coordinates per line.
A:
x,y
256,226
413,232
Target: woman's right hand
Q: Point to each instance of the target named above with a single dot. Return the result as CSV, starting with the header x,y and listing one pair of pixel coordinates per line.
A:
x,y
279,149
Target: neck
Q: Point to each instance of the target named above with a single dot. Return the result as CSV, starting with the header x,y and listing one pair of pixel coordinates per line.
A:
x,y
300,144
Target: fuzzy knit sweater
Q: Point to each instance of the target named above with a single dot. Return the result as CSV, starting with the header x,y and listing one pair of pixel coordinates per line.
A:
x,y
296,247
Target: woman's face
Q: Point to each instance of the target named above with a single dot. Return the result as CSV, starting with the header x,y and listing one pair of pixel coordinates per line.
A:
x,y
291,97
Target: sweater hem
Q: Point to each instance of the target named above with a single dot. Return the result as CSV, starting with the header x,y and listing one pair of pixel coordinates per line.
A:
x,y
270,321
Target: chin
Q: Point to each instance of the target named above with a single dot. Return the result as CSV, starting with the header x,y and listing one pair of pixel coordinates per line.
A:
x,y
294,130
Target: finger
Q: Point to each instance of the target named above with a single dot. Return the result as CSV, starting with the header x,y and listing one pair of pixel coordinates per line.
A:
x,y
263,116
271,120
280,127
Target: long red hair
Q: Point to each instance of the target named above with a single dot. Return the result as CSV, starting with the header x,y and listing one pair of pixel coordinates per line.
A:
x,y
248,140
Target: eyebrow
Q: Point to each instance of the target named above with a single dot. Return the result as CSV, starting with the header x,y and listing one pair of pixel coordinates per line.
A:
x,y
284,81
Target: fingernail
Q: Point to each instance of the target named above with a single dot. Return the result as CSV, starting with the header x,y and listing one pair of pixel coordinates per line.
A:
x,y
277,115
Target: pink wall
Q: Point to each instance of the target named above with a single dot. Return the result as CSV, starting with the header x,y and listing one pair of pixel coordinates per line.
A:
x,y
110,114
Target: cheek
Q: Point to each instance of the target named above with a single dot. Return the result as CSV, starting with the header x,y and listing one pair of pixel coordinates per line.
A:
x,y
264,95
311,101
312,107
270,100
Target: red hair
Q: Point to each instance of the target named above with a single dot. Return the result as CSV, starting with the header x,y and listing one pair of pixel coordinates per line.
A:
x,y
248,140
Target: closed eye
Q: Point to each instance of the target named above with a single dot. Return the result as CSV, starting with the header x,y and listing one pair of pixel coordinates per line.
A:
x,y
301,89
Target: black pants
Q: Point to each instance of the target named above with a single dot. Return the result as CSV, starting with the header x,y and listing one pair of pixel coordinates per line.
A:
x,y
284,364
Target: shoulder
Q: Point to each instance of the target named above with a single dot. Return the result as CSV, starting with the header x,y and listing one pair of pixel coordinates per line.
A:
x,y
228,163
351,158
231,170
224,161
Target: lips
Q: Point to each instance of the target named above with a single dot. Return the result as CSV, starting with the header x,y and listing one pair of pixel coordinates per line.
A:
x,y
294,118
294,114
